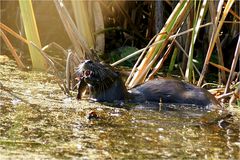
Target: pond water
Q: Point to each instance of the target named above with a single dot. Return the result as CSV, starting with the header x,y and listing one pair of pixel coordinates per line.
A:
x,y
37,121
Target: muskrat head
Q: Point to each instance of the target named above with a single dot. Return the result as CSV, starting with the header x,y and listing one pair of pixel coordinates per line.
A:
x,y
95,74
105,84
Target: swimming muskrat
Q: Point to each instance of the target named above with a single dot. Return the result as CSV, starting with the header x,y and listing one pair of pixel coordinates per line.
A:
x,y
106,85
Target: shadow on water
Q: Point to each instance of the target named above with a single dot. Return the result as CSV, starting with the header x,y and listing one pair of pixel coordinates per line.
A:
x,y
38,121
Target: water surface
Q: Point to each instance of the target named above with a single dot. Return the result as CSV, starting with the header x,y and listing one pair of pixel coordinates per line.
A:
x,y
37,121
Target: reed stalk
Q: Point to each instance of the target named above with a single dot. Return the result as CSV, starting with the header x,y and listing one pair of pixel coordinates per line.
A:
x,y
80,44
9,30
83,21
156,43
31,31
12,50
177,16
184,52
99,25
162,60
56,72
89,20
214,36
173,59
196,25
222,75
235,59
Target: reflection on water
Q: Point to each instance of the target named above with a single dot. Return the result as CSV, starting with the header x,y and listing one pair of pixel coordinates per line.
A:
x,y
38,121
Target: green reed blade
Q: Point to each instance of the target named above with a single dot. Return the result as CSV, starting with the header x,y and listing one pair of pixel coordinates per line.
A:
x,y
31,31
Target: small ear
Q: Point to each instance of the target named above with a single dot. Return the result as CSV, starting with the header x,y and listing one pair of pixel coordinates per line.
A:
x,y
117,74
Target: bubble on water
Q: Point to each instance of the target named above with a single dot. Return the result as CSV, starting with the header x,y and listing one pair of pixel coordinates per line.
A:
x,y
79,146
16,101
67,100
27,92
160,129
161,137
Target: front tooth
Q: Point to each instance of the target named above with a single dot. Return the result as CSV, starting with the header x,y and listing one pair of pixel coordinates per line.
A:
x,y
86,73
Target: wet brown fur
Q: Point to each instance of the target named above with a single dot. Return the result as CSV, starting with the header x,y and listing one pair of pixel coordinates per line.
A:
x,y
106,85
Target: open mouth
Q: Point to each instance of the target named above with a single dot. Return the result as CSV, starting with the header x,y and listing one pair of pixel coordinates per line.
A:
x,y
86,74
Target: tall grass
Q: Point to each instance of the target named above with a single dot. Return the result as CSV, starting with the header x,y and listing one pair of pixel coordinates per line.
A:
x,y
31,31
89,20
86,32
200,10
84,21
88,17
172,24
151,63
215,34
12,50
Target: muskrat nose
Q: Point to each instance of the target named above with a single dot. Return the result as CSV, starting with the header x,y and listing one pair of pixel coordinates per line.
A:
x,y
88,62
